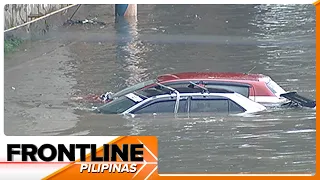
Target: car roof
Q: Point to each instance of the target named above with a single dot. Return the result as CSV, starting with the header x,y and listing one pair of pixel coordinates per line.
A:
x,y
150,92
218,95
247,104
210,76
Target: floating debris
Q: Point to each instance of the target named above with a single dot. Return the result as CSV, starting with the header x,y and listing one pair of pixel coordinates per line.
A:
x,y
85,21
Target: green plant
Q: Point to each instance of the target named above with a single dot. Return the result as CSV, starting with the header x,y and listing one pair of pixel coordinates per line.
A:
x,y
11,44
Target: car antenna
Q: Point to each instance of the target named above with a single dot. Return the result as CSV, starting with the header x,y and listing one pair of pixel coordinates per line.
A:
x,y
251,70
203,88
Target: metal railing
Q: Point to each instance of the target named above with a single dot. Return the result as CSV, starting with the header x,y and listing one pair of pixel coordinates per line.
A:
x,y
203,88
176,107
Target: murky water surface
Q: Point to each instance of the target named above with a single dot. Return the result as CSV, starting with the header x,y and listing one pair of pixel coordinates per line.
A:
x,y
276,40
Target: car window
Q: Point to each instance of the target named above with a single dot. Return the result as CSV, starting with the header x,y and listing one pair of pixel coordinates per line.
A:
x,y
235,108
116,106
133,88
243,90
275,88
164,106
215,106
209,105
152,91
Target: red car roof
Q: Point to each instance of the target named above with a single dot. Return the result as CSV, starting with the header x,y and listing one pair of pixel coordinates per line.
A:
x,y
209,75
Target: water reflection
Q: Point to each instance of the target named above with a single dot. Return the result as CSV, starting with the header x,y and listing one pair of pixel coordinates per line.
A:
x,y
287,33
128,50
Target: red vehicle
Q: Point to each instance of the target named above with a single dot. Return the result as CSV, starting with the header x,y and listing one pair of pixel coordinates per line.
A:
x,y
257,87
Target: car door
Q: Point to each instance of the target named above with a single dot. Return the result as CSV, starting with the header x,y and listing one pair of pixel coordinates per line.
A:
x,y
162,106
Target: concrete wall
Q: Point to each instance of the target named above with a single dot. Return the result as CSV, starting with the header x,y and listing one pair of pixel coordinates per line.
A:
x,y
38,27
17,14
51,23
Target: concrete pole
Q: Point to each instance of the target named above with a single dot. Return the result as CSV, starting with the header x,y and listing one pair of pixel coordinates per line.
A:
x,y
126,10
127,49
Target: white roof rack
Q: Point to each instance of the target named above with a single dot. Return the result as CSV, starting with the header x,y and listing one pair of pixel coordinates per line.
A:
x,y
176,107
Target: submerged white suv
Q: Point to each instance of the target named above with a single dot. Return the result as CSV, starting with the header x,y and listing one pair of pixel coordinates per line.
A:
x,y
189,99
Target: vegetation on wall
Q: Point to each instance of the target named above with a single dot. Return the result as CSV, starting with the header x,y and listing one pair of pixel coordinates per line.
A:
x,y
11,44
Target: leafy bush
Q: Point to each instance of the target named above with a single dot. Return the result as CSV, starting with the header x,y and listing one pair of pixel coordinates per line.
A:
x,y
11,44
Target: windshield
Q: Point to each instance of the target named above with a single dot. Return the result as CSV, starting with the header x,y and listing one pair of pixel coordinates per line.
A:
x,y
133,88
275,88
117,106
